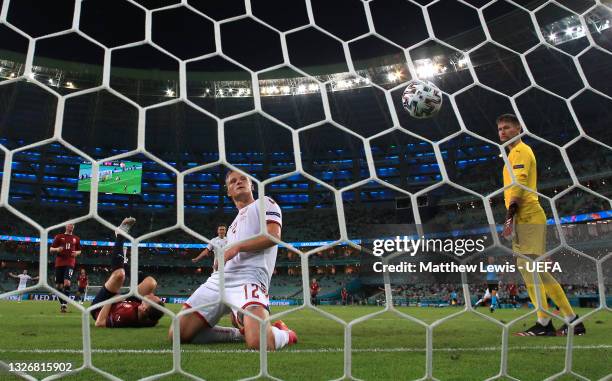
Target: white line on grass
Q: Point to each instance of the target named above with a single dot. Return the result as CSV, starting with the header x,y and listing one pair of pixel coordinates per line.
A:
x,y
317,350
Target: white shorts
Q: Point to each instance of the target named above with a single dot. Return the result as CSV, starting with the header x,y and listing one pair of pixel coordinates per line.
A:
x,y
239,296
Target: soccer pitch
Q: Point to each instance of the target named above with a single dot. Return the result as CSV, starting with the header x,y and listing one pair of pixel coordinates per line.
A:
x,y
385,347
129,183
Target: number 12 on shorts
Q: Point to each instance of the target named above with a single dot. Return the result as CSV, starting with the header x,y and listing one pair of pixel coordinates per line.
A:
x,y
251,291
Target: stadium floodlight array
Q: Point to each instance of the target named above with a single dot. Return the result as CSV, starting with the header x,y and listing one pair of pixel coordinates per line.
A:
x,y
417,69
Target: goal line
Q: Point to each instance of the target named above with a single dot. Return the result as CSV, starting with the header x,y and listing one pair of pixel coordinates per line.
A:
x,y
314,350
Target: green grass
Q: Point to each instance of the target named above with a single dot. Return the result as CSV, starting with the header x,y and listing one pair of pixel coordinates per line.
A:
x,y
386,347
131,179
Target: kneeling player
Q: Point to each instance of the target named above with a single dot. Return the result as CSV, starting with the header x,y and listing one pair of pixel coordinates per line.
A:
x,y
248,270
131,312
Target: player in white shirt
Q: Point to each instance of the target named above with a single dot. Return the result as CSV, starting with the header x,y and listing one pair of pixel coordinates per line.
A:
x,y
23,280
248,270
218,242
485,298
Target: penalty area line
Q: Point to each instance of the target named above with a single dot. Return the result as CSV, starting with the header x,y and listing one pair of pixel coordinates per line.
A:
x,y
314,350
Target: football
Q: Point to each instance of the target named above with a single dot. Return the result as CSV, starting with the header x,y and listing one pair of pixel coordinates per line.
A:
x,y
422,99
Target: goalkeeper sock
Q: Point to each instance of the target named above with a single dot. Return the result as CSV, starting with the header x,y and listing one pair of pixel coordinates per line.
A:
x,y
544,321
531,289
218,334
556,293
281,338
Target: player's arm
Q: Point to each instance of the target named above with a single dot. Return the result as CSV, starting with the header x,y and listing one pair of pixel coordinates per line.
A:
x,y
521,164
55,246
103,316
257,243
77,250
13,275
36,277
203,254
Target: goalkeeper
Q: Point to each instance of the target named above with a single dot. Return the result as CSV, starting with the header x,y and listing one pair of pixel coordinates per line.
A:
x,y
131,312
526,223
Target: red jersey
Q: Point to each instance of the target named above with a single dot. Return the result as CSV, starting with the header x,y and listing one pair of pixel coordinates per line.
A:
x,y
344,294
512,290
314,289
83,280
69,244
125,314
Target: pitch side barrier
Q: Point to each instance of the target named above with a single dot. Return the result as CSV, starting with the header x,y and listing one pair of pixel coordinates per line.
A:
x,y
585,217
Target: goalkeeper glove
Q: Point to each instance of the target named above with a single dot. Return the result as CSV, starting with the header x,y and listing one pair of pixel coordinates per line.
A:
x,y
508,230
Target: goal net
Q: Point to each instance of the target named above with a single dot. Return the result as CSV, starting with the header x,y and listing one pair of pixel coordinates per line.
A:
x,y
144,113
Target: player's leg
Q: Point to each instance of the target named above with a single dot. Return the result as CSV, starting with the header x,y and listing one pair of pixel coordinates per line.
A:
x,y
200,327
190,325
111,287
543,326
118,259
530,239
59,285
194,329
253,298
558,297
68,271
20,297
553,289
252,330
146,285
217,334
81,295
115,281
556,293
494,299
278,335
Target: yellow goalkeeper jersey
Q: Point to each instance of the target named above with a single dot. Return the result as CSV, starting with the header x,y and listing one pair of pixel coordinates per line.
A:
x,y
523,163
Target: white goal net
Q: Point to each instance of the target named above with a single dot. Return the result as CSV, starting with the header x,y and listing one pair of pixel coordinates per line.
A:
x,y
554,76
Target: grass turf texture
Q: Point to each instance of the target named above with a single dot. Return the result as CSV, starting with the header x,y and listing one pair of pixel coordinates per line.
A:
x,y
386,347
131,179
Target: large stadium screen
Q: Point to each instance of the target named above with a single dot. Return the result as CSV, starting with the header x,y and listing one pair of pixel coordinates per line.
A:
x,y
124,177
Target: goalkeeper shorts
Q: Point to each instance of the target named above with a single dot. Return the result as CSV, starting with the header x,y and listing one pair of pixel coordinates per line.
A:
x,y
530,233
